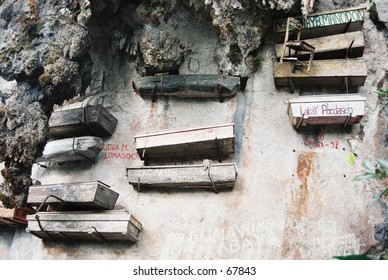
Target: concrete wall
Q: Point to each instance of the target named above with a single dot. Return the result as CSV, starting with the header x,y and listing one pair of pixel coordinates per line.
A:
x,y
292,200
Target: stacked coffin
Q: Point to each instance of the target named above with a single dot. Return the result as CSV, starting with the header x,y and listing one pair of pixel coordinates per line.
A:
x,y
77,133
338,47
216,141
78,211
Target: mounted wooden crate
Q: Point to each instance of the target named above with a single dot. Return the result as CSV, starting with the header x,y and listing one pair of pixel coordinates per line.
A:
x,y
15,216
341,73
75,196
325,23
344,45
342,109
215,141
90,120
213,176
72,149
84,225
191,85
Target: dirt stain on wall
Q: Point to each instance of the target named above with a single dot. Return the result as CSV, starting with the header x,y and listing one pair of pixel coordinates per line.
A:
x,y
298,208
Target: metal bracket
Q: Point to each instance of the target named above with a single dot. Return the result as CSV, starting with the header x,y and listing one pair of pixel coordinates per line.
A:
x,y
349,49
45,200
300,122
348,118
98,235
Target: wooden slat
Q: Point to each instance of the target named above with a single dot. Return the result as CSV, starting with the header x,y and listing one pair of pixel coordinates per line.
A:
x,y
325,23
191,85
90,120
217,140
329,47
90,225
15,216
330,73
72,149
344,109
184,176
83,195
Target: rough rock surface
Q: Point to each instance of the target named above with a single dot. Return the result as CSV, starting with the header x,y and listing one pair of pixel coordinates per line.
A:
x,y
44,47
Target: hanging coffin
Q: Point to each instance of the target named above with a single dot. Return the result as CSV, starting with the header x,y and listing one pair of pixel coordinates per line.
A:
x,y
344,45
212,176
341,73
191,85
72,149
15,216
342,109
325,24
84,225
215,141
90,120
74,196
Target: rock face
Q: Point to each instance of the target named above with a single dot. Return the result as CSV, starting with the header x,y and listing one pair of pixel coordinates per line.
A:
x,y
44,47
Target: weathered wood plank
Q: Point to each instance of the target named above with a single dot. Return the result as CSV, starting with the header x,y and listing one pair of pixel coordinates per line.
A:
x,y
350,44
185,176
15,216
90,120
90,225
343,109
72,149
207,141
330,73
191,85
325,23
82,195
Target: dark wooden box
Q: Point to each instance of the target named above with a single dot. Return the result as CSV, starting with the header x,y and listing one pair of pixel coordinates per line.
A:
x,y
85,121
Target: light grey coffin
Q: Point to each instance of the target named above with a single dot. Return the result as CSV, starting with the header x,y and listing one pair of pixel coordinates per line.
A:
x,y
334,109
184,176
86,195
84,225
214,141
72,149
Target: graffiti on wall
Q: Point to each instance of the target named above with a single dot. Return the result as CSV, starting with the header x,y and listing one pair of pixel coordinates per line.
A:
x,y
118,151
251,238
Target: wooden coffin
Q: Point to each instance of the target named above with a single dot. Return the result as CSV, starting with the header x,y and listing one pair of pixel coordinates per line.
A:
x,y
336,46
72,149
90,120
215,141
323,73
341,109
15,216
185,176
74,196
190,85
84,225
325,23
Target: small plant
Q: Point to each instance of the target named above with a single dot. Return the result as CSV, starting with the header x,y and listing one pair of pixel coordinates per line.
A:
x,y
259,59
382,93
374,172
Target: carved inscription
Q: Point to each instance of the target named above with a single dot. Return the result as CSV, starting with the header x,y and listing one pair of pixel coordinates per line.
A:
x,y
249,238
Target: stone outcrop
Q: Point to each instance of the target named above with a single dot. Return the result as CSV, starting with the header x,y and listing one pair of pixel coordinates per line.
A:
x,y
44,47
